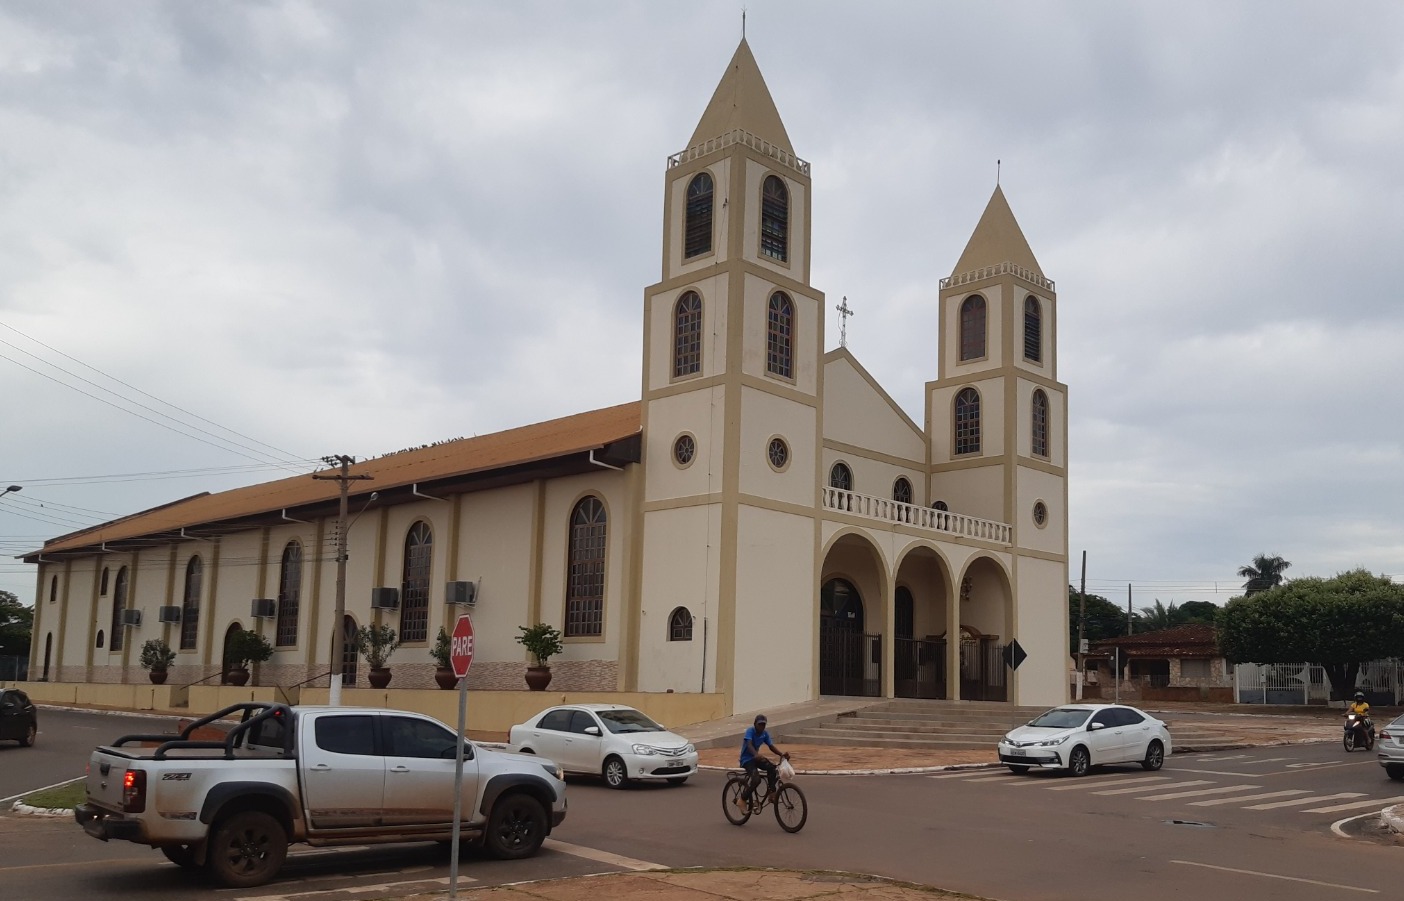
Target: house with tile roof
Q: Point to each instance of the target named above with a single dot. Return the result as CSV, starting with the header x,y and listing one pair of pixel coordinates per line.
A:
x,y
765,525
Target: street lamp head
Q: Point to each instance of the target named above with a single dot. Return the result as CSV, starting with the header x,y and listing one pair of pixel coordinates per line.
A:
x,y
12,488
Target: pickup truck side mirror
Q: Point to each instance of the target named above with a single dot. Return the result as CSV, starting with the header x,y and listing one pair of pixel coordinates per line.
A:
x,y
592,730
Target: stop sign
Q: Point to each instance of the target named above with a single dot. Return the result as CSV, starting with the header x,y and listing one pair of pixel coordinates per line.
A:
x,y
461,646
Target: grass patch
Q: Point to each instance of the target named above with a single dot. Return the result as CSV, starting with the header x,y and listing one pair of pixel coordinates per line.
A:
x,y
68,795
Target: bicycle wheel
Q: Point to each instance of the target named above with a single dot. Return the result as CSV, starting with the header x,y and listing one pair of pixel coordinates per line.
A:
x,y
791,809
737,811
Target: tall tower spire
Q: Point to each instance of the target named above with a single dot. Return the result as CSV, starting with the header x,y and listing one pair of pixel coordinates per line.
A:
x,y
742,101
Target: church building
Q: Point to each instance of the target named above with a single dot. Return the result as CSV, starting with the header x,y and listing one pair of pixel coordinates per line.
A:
x,y
765,525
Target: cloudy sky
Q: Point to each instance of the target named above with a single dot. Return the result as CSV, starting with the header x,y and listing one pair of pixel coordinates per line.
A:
x,y
236,237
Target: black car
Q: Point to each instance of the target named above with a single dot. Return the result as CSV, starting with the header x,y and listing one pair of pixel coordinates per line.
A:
x,y
18,721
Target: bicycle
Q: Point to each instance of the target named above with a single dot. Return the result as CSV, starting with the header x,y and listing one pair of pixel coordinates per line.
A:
x,y
791,808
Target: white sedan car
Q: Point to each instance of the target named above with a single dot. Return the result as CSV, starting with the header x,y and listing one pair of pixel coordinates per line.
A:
x,y
618,743
1077,737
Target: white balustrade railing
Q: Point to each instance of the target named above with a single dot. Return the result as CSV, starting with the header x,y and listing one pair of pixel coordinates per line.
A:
x,y
1006,268
739,136
888,510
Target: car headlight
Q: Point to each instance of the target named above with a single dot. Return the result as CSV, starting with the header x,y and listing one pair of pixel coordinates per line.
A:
x,y
644,750
689,748
554,770
1052,742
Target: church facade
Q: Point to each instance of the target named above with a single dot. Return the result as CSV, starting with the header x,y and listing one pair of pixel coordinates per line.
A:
x,y
765,524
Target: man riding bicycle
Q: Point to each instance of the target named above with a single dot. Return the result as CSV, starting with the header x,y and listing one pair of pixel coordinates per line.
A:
x,y
757,737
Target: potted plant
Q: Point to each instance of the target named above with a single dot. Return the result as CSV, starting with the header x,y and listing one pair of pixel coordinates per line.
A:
x,y
242,648
376,642
542,642
156,658
443,674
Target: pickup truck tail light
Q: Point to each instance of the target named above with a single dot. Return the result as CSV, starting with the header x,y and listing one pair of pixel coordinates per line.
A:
x,y
134,791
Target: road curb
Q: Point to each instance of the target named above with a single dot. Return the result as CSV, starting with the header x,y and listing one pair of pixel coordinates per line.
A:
x,y
24,810
1393,817
891,771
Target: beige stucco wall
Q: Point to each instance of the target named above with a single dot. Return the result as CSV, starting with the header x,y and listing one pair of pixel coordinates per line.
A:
x,y
1057,422
857,414
701,414
1033,485
807,339
941,414
975,492
713,291
681,549
796,266
994,332
494,545
775,609
1041,592
764,415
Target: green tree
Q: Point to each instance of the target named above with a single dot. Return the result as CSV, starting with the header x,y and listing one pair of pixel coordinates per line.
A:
x,y
16,626
1158,616
1337,623
1104,619
1263,573
1204,612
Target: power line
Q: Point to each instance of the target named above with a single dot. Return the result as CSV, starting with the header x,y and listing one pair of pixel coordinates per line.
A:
x,y
233,469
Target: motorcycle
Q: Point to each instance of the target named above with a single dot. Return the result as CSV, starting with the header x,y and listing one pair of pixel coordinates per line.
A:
x,y
1357,733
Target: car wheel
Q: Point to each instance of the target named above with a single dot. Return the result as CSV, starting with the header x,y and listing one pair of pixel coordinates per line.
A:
x,y
677,780
30,734
1395,771
1018,769
180,855
1079,762
516,828
616,775
1155,757
247,850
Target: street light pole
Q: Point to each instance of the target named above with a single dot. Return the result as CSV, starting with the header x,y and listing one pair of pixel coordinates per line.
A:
x,y
338,648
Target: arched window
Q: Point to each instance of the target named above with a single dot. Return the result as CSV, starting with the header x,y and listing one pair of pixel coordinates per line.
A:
x,y
100,636
904,620
967,421
775,219
585,580
697,230
289,594
53,589
414,583
902,490
102,589
119,603
190,606
972,328
1040,423
1033,330
680,625
841,477
687,335
779,336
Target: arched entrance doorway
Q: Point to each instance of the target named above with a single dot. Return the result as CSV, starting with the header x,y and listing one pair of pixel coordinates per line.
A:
x,y
920,610
985,615
348,651
227,662
850,660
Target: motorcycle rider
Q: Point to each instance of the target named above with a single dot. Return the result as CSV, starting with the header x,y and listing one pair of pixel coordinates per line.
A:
x,y
1360,708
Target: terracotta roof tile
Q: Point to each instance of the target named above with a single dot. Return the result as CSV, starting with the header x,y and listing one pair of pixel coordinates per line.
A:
x,y
1190,640
464,456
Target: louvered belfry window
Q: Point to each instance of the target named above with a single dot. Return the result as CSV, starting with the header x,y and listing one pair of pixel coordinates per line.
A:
x,y
289,594
687,335
779,336
1033,330
967,421
1040,423
414,589
972,328
775,219
586,574
698,226
190,609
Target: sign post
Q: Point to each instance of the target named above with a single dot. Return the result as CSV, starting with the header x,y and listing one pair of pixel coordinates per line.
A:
x,y
460,658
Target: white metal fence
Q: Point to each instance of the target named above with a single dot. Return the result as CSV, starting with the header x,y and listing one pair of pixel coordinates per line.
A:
x,y
1301,683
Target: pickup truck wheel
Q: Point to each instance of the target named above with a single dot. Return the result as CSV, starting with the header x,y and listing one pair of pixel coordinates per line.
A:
x,y
180,855
516,828
247,849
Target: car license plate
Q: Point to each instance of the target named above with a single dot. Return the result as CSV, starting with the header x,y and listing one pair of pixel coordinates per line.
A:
x,y
1018,752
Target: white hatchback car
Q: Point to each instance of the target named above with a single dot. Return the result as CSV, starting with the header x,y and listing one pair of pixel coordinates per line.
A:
x,y
1077,737
618,743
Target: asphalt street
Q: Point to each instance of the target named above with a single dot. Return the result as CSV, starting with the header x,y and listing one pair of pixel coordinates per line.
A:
x,y
1244,824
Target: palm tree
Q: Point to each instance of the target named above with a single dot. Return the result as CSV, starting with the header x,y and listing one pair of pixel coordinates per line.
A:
x,y
1263,573
1158,617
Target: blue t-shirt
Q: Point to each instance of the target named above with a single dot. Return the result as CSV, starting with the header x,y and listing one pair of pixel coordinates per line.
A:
x,y
753,739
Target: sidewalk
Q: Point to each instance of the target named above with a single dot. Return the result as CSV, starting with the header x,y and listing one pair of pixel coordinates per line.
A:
x,y
708,885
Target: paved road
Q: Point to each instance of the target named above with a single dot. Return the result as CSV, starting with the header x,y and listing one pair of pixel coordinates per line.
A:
x,y
60,753
1240,824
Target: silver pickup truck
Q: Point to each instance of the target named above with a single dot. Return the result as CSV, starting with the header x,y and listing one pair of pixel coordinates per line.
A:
x,y
321,775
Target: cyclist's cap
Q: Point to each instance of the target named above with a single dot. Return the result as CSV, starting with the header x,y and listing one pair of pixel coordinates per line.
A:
x,y
760,718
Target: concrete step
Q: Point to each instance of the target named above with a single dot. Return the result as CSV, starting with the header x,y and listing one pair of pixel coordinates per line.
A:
x,y
878,743
899,727
861,737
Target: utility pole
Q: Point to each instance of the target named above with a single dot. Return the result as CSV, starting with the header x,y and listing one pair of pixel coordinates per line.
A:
x,y
338,637
1081,628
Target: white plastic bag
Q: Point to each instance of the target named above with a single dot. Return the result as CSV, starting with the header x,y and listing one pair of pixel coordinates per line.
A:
x,y
787,772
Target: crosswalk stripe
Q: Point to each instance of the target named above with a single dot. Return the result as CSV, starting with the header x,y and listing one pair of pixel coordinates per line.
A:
x,y
961,774
1241,798
1084,784
1357,805
1223,789
1141,788
1299,801
1224,757
1005,778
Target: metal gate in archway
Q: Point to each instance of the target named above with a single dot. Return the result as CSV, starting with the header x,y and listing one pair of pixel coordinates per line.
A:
x,y
850,660
982,671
